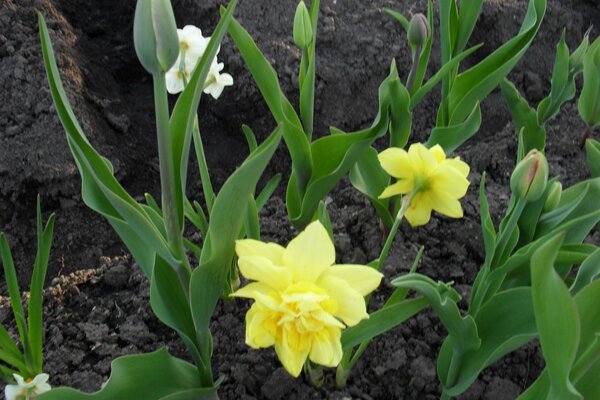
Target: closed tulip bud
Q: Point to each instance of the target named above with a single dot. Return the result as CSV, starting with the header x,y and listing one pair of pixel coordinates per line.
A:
x,y
553,197
530,177
303,34
155,35
418,30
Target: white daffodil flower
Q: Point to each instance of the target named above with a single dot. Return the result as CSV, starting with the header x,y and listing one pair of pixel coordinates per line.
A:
x,y
192,46
27,389
216,81
192,43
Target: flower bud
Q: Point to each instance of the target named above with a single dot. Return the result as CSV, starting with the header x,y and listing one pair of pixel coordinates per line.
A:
x,y
530,177
303,34
553,197
155,35
418,30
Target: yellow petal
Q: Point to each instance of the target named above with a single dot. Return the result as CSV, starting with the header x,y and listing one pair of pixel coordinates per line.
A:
x,y
419,211
361,278
395,162
254,291
292,351
401,187
309,253
259,268
449,181
460,165
421,159
260,327
250,247
438,153
446,205
326,347
350,304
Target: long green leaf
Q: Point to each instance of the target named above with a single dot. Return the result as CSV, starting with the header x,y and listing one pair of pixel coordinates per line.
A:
x,y
148,376
473,85
226,220
34,310
559,337
382,321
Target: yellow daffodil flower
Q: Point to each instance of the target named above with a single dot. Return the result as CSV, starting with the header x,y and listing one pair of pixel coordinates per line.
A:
x,y
435,183
302,301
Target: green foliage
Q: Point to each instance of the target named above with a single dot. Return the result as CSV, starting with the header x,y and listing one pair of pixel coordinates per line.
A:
x,y
592,151
152,376
589,105
26,363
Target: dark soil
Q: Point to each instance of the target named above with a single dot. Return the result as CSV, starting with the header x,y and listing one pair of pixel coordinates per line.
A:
x,y
97,304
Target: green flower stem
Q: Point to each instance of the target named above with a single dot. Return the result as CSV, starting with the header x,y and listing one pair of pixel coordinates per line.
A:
x,y
390,239
349,359
415,68
168,194
209,194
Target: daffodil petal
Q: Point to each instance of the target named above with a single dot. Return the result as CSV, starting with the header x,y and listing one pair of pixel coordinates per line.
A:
x,y
395,162
460,165
351,305
257,291
309,253
400,187
361,278
419,211
259,268
11,392
326,348
291,353
421,159
438,153
446,205
250,247
450,182
260,327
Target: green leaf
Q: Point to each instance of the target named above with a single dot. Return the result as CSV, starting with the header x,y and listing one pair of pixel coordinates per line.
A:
x,y
533,135
473,85
504,324
307,89
382,321
588,272
451,137
589,100
226,220
12,284
171,306
462,330
149,376
100,190
323,217
334,155
435,79
250,137
251,223
34,309
559,337
399,17
468,14
563,84
267,191
370,179
283,112
592,152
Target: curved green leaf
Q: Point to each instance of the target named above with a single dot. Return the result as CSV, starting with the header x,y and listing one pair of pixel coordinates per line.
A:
x,y
451,137
149,376
473,85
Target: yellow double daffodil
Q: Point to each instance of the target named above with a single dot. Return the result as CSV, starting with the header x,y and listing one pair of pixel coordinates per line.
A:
x,y
302,300
435,182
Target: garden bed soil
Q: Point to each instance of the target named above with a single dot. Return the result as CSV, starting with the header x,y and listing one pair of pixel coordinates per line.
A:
x,y
97,304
